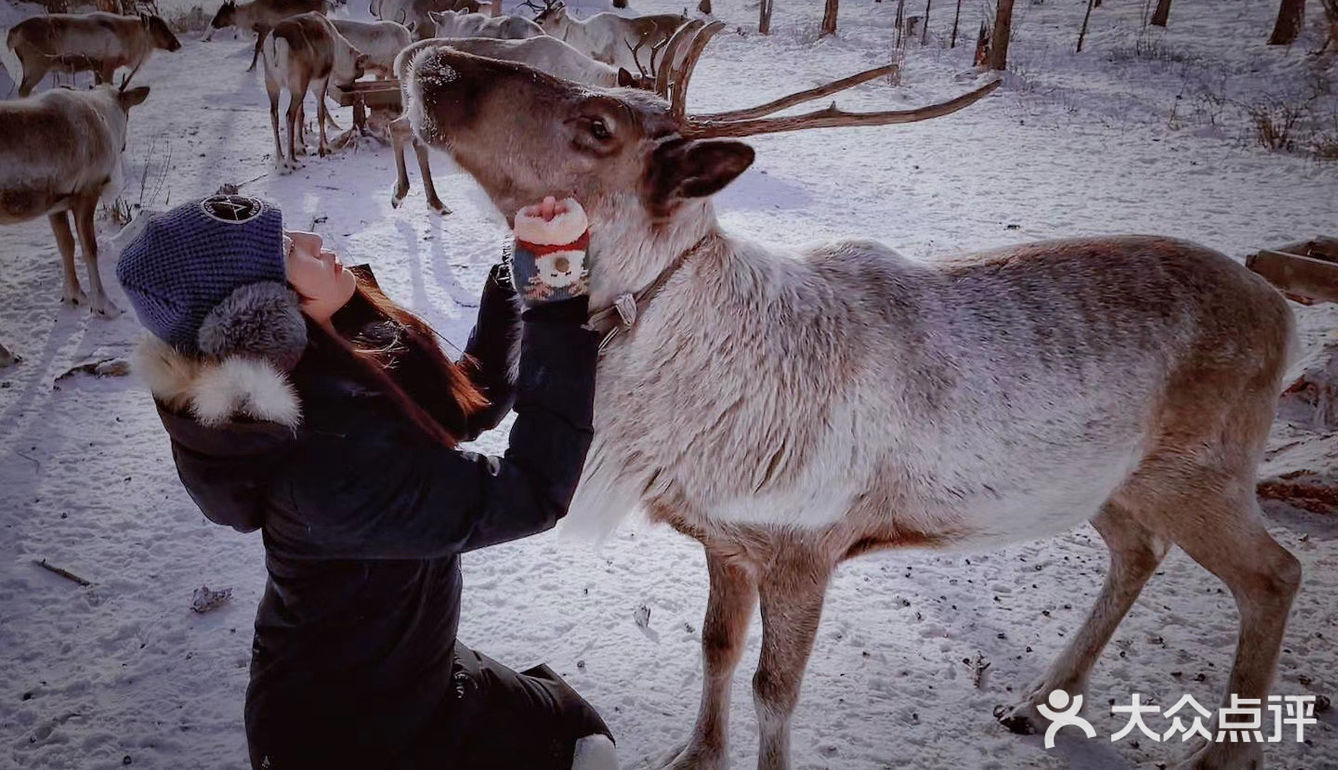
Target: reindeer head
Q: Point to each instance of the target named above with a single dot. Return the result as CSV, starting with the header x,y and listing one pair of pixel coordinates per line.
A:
x,y
226,15
642,167
159,32
552,17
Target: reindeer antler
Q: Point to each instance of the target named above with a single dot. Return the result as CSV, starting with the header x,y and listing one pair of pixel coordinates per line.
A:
x,y
831,117
672,83
654,49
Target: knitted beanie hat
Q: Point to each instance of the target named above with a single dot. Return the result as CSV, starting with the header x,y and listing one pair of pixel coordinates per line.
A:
x,y
209,278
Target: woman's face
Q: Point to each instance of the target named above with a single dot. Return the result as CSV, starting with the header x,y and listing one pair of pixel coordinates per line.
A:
x,y
318,276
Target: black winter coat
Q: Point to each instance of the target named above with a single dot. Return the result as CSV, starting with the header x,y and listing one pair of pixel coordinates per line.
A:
x,y
364,518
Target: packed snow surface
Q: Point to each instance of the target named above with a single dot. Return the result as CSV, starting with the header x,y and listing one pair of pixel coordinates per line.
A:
x,y
1142,132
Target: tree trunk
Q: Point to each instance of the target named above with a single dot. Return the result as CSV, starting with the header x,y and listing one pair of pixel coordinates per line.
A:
x,y
764,17
1003,29
829,18
924,31
956,17
1083,32
899,41
1162,13
1290,15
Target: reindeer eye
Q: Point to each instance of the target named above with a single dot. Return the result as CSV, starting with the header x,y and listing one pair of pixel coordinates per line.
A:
x,y
600,130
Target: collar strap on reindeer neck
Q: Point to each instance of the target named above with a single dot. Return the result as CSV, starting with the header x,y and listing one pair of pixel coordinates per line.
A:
x,y
622,314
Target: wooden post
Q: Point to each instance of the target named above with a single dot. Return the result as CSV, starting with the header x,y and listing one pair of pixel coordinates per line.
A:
x,y
1083,32
829,18
764,17
955,18
1003,30
1290,16
1162,14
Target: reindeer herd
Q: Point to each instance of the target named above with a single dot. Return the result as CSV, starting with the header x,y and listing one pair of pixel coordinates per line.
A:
x,y
858,401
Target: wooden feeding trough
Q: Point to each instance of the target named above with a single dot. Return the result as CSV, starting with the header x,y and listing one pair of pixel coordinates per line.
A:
x,y
364,96
1306,272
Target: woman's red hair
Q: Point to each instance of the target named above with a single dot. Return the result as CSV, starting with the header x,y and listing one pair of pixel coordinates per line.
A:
x,y
396,352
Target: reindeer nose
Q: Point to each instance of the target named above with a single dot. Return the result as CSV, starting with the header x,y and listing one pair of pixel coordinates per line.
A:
x,y
562,264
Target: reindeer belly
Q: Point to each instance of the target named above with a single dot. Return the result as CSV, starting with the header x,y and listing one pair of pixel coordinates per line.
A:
x,y
23,203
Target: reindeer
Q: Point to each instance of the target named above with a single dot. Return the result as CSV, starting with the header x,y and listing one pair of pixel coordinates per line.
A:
x,y
863,401
63,148
544,53
97,42
304,53
458,24
608,37
414,13
380,41
260,16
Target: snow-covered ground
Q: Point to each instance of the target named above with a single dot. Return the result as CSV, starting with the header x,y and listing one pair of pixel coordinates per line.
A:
x,y
123,672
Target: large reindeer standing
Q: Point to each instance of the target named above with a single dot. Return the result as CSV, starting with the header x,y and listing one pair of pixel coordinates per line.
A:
x,y
62,149
862,401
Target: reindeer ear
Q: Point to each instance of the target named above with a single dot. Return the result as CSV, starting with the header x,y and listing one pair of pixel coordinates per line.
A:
x,y
683,169
133,97
625,78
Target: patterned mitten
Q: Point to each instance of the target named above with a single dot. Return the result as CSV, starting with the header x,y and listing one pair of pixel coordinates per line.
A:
x,y
548,263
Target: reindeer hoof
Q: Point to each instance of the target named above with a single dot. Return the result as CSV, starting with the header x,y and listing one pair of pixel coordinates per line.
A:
x,y
1016,719
439,207
105,309
1223,756
691,759
74,298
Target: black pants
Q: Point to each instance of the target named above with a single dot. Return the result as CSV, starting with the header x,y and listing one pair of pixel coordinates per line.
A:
x,y
503,719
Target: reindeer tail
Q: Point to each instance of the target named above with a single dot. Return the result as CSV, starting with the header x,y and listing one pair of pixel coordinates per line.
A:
x,y
10,60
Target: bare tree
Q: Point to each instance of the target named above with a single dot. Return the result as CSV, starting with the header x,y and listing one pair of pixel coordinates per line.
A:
x,y
1003,30
956,17
764,17
829,18
1290,15
1163,12
1085,17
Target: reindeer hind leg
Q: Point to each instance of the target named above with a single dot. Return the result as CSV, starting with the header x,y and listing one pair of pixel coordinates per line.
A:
x,y
425,169
1135,552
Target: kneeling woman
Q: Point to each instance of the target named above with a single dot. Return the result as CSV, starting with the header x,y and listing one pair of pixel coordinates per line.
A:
x,y
302,402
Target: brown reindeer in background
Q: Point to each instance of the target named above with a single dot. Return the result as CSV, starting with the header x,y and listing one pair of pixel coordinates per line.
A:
x,y
861,401
260,16
305,53
96,42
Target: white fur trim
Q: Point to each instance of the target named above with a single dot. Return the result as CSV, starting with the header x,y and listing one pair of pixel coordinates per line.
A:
x,y
561,229
595,752
216,391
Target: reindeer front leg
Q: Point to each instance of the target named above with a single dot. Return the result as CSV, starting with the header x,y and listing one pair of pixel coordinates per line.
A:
x,y
728,613
792,592
84,209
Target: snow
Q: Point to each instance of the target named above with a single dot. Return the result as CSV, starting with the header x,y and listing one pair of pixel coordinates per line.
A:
x,y
1072,145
